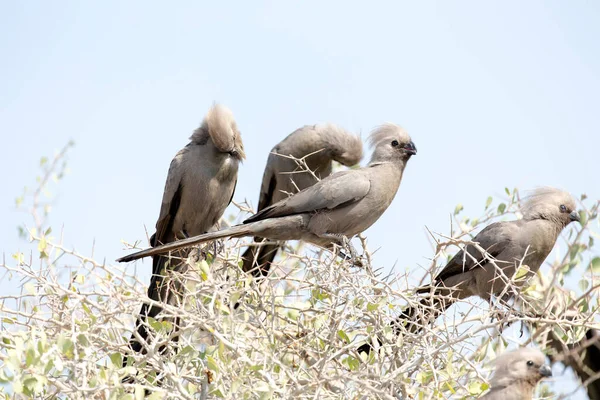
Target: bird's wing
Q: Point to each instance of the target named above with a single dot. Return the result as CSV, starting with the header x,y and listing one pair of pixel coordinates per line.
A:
x,y
494,238
341,188
170,201
269,182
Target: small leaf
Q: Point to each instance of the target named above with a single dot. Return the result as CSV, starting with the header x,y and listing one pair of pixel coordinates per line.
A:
x,y
212,364
458,209
488,202
583,217
19,200
29,288
507,191
42,247
501,208
522,272
595,265
19,258
342,335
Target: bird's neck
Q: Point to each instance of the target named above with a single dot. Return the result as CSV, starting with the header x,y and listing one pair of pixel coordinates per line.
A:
x,y
550,227
397,164
391,176
523,387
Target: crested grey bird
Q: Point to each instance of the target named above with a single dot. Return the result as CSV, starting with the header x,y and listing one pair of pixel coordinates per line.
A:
x,y
317,146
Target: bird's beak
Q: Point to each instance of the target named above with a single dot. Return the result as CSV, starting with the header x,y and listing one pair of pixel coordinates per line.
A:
x,y
574,216
237,154
410,148
545,370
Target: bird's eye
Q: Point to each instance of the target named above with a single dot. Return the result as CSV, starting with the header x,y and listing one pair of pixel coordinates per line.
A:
x,y
395,143
563,208
530,363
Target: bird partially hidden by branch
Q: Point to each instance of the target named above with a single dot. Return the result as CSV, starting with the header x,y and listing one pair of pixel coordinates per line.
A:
x,y
299,161
485,268
517,374
200,184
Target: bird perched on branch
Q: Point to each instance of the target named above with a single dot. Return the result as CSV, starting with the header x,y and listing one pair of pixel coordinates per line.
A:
x,y
336,208
516,375
200,185
300,160
485,270
583,357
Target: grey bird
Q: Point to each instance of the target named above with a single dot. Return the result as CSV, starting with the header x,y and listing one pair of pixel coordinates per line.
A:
x,y
583,357
316,145
200,185
331,211
516,375
472,273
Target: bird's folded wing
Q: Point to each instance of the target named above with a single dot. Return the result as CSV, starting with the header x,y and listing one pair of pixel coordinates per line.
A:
x,y
269,182
494,238
171,199
341,188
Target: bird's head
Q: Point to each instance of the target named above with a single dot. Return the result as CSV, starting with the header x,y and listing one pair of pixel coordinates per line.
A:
x,y
220,126
347,149
522,365
391,142
550,204
331,142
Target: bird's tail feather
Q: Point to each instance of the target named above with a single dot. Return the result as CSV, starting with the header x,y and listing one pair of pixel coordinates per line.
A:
x,y
234,231
166,288
414,318
257,259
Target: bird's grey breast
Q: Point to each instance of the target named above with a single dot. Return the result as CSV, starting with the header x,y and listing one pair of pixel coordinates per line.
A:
x,y
536,240
207,186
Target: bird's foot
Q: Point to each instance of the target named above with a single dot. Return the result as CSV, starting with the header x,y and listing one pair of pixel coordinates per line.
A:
x,y
353,257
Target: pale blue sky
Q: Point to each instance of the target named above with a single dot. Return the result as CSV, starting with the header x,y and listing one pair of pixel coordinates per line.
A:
x,y
494,94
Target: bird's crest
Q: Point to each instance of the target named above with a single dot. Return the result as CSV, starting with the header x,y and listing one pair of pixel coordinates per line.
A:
x,y
387,132
347,148
220,126
513,365
545,202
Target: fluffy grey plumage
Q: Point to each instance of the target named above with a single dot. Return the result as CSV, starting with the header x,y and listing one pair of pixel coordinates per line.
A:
x,y
528,240
200,185
516,375
318,145
343,204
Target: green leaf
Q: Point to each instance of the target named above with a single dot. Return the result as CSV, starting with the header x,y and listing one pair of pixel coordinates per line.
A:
x,y
522,272
595,265
583,217
342,335
352,362
458,209
42,247
29,357
507,191
212,364
501,208
488,202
